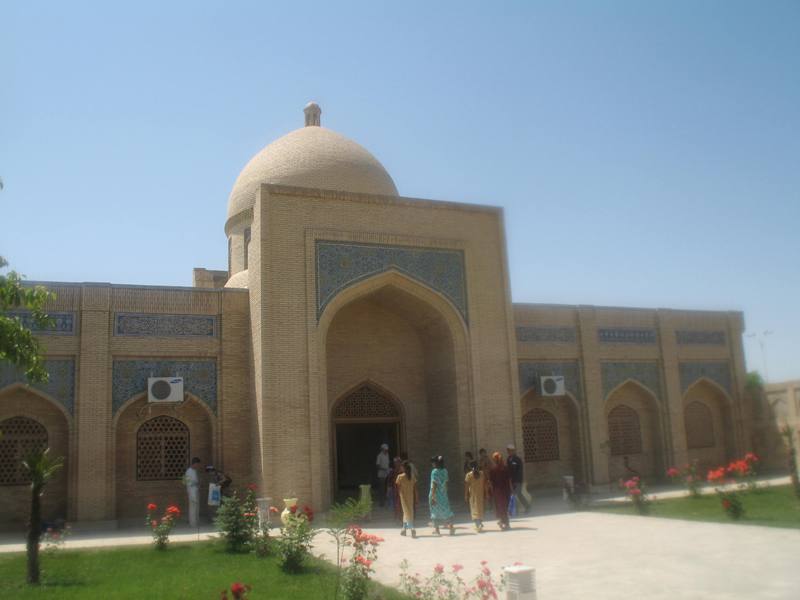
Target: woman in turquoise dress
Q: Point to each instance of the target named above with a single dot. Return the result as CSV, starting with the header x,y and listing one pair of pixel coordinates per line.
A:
x,y
440,503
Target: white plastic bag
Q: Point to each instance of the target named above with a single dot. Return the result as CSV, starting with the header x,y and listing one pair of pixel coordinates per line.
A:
x,y
214,494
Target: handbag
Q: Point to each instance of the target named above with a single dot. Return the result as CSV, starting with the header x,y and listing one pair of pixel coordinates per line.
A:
x,y
214,494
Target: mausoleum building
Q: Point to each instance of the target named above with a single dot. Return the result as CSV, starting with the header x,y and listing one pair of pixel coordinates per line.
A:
x,y
350,316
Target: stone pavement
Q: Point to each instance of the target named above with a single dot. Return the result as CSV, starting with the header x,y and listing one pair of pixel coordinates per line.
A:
x,y
607,556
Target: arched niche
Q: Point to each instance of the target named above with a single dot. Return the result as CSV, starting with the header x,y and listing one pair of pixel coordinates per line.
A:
x,y
708,424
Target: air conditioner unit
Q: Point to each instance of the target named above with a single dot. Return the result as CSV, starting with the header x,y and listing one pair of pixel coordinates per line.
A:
x,y
165,389
552,385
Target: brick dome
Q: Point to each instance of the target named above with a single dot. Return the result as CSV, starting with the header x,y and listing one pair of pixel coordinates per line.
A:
x,y
314,157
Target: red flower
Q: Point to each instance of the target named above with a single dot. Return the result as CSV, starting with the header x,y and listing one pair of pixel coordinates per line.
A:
x,y
673,472
726,504
293,509
635,492
273,510
363,560
174,511
252,487
151,507
239,589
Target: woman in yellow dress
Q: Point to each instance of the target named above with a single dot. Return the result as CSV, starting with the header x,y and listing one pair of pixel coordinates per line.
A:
x,y
406,486
475,490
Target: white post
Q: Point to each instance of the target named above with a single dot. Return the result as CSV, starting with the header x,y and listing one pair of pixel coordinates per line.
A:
x,y
520,583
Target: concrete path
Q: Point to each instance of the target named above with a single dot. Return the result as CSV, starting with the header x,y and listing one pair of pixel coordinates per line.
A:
x,y
605,556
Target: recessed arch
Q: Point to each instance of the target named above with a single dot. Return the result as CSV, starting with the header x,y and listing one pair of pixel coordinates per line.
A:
x,y
40,394
391,329
708,423
634,442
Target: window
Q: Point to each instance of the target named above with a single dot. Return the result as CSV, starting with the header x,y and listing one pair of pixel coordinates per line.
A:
x,y
540,436
699,426
624,432
366,403
162,449
18,436
246,245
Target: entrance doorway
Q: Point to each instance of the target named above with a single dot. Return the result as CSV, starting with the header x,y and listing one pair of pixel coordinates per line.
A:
x,y
363,420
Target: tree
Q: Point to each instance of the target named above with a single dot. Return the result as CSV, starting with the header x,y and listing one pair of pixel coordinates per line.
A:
x,y
40,468
18,345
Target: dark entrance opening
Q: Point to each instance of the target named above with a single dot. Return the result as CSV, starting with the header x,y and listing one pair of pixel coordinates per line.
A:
x,y
363,420
357,447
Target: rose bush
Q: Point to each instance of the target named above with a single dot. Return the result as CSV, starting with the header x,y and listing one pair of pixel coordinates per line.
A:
x,y
162,527
688,476
237,521
356,572
635,490
294,544
448,584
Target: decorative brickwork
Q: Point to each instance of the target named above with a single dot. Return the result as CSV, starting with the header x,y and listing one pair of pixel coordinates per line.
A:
x,y
162,449
129,377
540,436
627,335
565,335
699,426
60,386
18,437
646,373
691,337
62,323
366,403
165,325
530,372
718,372
341,264
624,431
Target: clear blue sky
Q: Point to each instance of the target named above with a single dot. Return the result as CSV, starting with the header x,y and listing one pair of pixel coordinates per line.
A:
x,y
646,153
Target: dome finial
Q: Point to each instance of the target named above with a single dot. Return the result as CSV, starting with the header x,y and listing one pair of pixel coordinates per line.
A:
x,y
312,112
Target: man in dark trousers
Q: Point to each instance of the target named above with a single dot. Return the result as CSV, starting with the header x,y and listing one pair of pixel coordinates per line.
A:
x,y
515,468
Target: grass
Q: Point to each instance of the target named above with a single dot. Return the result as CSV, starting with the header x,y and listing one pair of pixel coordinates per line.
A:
x,y
773,507
193,571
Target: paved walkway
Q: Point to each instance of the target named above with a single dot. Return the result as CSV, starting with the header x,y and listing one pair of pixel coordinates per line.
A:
x,y
576,555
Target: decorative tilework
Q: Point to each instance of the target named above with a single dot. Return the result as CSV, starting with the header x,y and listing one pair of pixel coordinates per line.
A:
x,y
718,372
165,325
530,372
566,335
63,323
626,335
60,386
713,338
646,373
129,377
341,264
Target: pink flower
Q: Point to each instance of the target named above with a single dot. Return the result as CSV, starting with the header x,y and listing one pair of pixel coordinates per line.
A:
x,y
635,492
457,568
438,568
672,472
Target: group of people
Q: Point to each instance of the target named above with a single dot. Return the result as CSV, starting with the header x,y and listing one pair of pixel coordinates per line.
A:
x,y
497,479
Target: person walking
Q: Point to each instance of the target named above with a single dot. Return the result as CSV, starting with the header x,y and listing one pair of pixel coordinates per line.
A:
x,y
468,458
475,490
500,482
382,465
391,487
192,481
437,498
515,468
406,485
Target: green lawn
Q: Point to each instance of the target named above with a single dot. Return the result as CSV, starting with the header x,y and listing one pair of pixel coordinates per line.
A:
x,y
773,507
192,570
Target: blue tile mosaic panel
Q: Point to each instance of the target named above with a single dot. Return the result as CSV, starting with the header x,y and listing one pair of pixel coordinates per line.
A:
x,y
646,373
129,377
341,264
689,337
718,372
627,335
530,372
60,386
566,335
62,323
165,325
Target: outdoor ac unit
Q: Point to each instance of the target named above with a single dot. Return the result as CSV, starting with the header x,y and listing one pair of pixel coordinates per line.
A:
x,y
552,385
165,389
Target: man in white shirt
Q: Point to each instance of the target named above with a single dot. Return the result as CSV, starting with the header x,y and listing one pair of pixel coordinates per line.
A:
x,y
382,463
192,480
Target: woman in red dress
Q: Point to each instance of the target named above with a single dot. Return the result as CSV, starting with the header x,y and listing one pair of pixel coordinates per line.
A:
x,y
500,482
